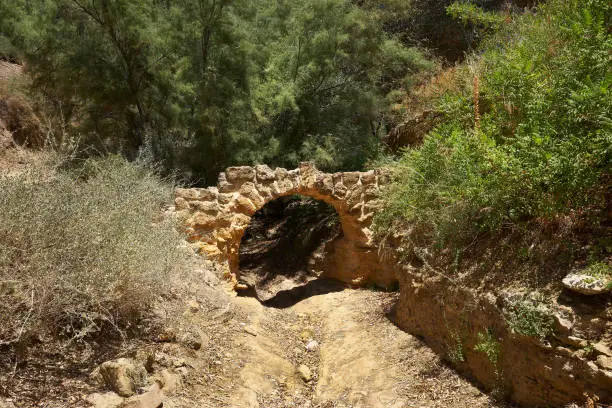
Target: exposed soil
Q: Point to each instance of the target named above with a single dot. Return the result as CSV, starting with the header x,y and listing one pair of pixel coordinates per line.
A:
x,y
361,359
250,353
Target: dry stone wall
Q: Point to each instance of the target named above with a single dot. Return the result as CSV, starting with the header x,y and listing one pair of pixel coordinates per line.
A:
x,y
216,218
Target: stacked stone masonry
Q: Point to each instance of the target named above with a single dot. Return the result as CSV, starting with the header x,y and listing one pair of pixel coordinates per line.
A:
x,y
216,218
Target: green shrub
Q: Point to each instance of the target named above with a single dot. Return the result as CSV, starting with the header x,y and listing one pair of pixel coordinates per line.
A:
x,y
542,146
530,318
489,345
82,251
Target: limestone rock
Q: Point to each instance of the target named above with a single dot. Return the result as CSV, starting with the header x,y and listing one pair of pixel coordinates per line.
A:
x,y
603,349
123,376
181,203
203,220
240,174
604,362
339,190
243,205
264,173
187,193
305,372
349,179
99,400
153,398
368,178
585,284
170,380
208,194
209,207
191,340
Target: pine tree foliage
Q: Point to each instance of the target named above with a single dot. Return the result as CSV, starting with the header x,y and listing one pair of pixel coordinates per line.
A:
x,y
203,84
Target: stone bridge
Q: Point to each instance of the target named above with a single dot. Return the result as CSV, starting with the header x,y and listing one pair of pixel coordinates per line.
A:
x,y
215,218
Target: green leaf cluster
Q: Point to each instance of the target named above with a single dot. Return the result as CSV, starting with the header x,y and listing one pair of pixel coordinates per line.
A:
x,y
203,84
543,142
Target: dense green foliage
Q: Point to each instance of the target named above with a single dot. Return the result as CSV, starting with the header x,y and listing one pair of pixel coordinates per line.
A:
x,y
542,143
78,251
201,85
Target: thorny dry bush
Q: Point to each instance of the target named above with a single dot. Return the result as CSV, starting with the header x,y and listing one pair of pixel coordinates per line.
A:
x,y
83,253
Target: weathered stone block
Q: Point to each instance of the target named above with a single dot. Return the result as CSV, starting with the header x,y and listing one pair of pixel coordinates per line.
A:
x,y
324,183
281,173
243,205
339,191
249,191
282,187
225,219
225,187
337,178
237,175
209,207
203,220
264,173
369,177
240,220
370,192
354,196
265,191
308,175
181,203
208,194
187,193
351,178
225,198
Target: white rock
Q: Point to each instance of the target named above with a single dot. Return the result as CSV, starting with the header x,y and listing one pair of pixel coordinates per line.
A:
x,y
312,345
585,284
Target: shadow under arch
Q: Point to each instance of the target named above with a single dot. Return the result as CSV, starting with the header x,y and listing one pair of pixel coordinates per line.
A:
x,y
282,254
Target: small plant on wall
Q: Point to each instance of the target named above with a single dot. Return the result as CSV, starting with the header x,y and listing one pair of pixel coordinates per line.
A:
x,y
489,345
454,349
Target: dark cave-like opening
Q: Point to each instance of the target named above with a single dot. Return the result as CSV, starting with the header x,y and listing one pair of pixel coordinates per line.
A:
x,y
282,251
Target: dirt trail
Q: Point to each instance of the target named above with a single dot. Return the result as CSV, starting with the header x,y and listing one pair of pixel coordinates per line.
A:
x,y
357,358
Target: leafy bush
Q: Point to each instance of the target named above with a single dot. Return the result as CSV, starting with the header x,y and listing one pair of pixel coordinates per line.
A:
x,y
530,319
83,250
489,345
542,145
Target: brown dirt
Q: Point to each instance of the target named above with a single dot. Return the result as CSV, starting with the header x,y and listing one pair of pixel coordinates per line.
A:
x,y
362,359
250,354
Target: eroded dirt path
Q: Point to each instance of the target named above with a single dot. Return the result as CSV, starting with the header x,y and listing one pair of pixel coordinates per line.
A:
x,y
356,358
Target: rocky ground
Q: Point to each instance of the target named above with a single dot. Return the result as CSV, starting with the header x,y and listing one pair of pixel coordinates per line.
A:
x,y
337,349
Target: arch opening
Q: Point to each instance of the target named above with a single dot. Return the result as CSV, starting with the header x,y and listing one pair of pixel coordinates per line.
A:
x,y
282,252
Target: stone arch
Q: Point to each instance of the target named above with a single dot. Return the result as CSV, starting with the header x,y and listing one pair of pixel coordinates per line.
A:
x,y
216,218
